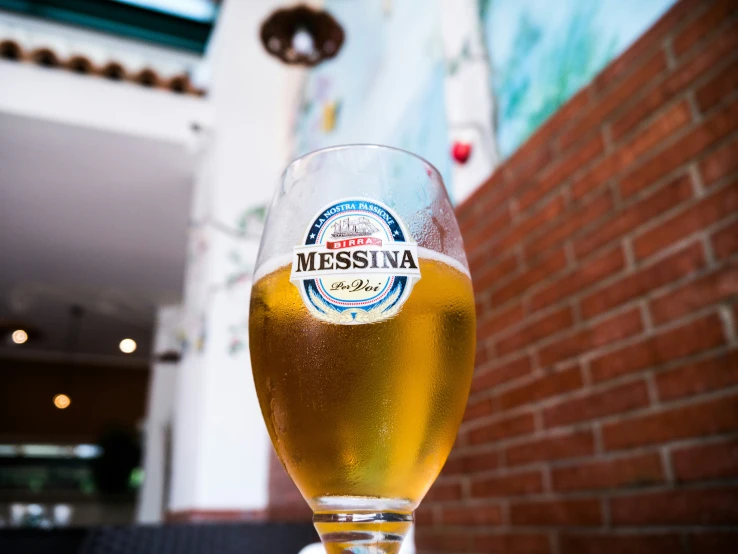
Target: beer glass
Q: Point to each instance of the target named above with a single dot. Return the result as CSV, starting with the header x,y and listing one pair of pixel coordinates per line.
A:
x,y
362,335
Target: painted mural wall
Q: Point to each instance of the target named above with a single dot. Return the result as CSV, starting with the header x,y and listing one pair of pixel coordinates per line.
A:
x,y
542,52
387,85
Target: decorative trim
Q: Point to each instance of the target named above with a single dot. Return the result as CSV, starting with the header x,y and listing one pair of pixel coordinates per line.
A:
x,y
113,70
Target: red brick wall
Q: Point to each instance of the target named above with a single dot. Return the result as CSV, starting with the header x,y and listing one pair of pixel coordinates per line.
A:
x,y
603,416
285,501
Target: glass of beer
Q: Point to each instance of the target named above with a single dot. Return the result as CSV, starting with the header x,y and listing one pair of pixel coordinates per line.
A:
x,y
362,337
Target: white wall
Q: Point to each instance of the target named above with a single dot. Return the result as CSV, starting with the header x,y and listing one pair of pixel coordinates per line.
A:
x,y
221,448
82,100
469,108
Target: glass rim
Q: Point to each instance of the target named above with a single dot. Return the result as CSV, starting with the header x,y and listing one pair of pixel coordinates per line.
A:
x,y
357,145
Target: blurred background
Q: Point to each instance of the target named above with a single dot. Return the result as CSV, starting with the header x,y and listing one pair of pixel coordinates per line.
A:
x,y
591,151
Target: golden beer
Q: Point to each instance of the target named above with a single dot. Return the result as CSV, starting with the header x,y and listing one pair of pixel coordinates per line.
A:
x,y
370,410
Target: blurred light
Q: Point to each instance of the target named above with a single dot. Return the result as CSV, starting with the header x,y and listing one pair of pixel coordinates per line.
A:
x,y
302,42
84,451
62,514
87,451
46,450
127,346
17,511
62,401
136,478
20,336
34,509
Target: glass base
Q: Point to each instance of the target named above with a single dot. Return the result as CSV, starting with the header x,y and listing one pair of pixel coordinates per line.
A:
x,y
363,532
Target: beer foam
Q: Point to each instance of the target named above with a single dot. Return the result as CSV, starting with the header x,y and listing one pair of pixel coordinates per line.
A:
x,y
444,259
270,266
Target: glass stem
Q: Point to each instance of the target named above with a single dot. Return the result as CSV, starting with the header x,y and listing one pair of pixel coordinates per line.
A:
x,y
362,533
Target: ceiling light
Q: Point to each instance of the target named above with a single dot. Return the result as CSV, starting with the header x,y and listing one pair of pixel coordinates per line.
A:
x,y
87,451
62,401
19,336
127,346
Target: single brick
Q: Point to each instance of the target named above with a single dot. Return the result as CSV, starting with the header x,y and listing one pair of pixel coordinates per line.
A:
x,y
615,328
713,542
634,285
535,330
620,544
580,512
501,374
637,471
529,482
546,386
693,378
619,399
553,447
522,424
471,515
702,462
702,419
582,277
709,210
696,295
672,194
690,338
511,543
682,507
